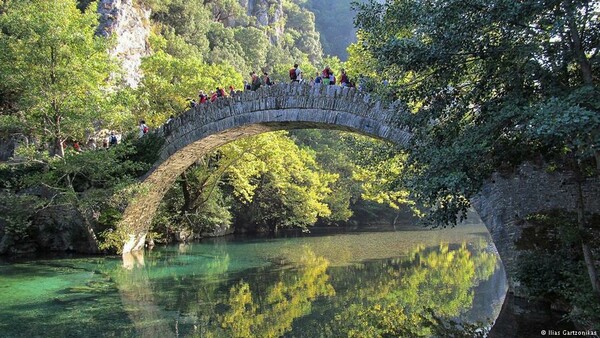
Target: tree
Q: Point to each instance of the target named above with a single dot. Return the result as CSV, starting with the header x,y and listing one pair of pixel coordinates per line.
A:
x,y
190,20
490,84
300,27
291,297
368,169
171,80
278,183
274,183
59,68
253,42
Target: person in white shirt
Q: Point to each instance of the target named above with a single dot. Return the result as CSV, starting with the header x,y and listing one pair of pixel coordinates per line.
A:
x,y
143,128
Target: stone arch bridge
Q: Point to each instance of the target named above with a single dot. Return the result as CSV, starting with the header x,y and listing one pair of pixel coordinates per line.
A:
x,y
279,107
501,202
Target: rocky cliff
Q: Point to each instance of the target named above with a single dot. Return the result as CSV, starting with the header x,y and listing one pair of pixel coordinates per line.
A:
x,y
267,13
129,23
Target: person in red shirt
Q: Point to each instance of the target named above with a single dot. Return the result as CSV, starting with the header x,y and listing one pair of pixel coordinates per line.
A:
x,y
202,98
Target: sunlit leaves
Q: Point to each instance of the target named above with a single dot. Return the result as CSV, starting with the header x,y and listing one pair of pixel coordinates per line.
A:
x,y
59,68
170,82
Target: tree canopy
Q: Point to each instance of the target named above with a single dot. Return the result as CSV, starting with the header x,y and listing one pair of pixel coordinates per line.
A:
x,y
56,68
490,84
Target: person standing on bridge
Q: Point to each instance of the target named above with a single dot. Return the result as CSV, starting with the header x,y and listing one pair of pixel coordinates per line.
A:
x,y
344,81
295,74
325,75
202,98
255,81
318,78
267,79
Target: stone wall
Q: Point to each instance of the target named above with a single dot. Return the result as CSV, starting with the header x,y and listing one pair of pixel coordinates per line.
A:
x,y
506,199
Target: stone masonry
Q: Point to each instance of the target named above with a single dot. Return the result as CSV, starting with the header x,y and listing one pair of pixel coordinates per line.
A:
x,y
504,200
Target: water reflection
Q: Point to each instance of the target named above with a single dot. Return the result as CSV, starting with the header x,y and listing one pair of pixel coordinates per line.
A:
x,y
344,285
271,312
417,295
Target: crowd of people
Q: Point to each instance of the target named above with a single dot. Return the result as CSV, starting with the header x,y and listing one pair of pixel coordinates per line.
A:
x,y
325,77
91,144
107,141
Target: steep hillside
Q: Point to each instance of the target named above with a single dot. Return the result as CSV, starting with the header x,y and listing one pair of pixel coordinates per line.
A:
x,y
335,22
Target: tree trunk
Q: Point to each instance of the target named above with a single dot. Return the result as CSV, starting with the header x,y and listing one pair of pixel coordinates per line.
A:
x,y
187,195
585,65
587,252
59,149
396,219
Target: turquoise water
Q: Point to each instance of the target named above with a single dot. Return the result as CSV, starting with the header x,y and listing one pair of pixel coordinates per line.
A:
x,y
328,283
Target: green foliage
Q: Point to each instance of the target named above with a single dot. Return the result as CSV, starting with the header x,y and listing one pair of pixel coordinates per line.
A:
x,y
557,269
565,126
50,56
170,82
252,40
489,84
16,213
300,28
95,184
189,20
279,184
224,34
196,203
144,150
274,183
368,169
97,169
421,295
288,299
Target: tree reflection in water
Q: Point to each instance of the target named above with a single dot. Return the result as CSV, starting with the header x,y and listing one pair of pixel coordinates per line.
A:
x,y
410,297
289,298
416,295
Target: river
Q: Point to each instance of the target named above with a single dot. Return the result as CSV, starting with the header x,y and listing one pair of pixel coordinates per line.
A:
x,y
329,283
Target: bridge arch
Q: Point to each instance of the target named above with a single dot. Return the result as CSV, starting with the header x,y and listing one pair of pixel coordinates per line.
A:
x,y
281,107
